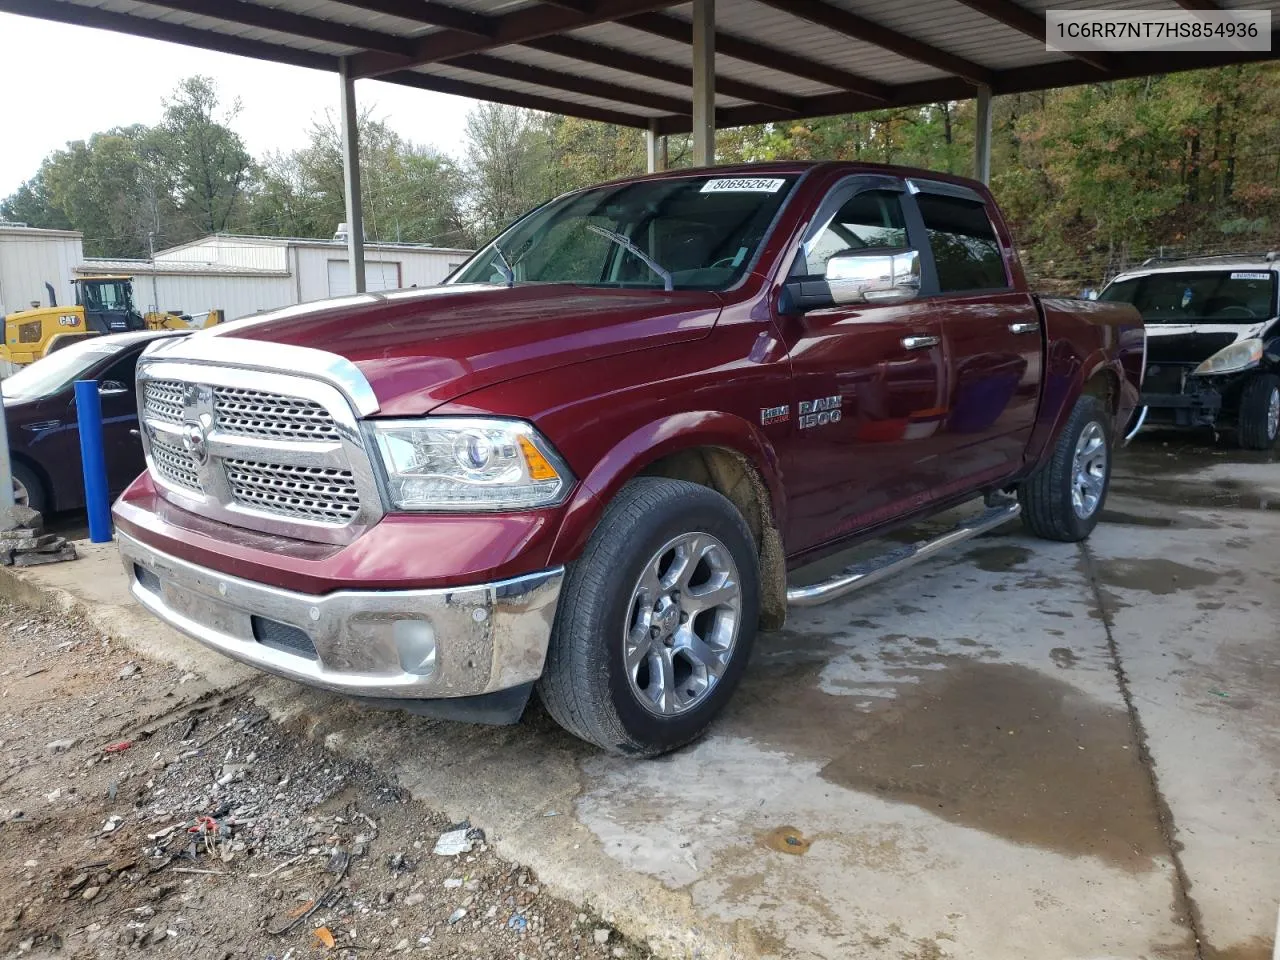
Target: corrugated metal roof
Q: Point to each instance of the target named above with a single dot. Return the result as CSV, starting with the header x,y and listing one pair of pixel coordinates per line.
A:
x,y
799,36
778,59
93,266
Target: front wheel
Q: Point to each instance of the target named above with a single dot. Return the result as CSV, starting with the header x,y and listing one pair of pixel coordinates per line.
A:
x,y
1259,420
656,620
28,491
1063,499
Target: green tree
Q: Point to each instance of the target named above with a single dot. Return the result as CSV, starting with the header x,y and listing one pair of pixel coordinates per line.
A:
x,y
587,152
508,158
411,193
208,161
32,205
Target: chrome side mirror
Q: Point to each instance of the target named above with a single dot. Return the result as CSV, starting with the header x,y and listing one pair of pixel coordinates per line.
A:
x,y
874,276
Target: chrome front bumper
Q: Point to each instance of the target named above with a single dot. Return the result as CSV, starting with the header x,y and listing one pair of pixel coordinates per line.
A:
x,y
462,641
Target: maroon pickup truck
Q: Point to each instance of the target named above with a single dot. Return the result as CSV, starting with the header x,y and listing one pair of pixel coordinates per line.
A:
x,y
586,463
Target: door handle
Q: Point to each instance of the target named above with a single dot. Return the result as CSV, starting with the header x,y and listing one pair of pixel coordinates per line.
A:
x,y
1024,327
920,343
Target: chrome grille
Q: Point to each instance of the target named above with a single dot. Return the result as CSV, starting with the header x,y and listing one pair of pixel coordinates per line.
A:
x,y
258,413
275,448
310,493
163,401
175,465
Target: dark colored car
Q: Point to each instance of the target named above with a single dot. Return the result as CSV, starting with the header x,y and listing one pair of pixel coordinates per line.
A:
x,y
40,413
588,461
1213,343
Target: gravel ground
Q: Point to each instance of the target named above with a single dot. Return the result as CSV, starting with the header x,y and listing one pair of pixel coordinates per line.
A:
x,y
141,811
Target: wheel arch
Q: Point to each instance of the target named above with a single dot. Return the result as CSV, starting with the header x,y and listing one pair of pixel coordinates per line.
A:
x,y
1104,383
713,449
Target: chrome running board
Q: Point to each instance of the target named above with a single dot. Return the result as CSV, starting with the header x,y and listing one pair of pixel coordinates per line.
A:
x,y
1142,419
879,568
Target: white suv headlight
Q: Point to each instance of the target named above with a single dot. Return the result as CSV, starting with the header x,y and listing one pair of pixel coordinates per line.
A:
x,y
464,463
1238,356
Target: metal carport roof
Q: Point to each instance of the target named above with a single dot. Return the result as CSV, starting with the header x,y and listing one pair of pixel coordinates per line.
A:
x,y
628,61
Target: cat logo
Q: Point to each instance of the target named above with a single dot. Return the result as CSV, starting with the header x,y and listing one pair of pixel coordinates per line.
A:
x,y
68,320
820,412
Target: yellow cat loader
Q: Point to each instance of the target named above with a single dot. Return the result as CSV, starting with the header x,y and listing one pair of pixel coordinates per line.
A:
x,y
103,305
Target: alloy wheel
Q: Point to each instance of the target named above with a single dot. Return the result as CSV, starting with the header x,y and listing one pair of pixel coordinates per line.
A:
x,y
1089,470
683,623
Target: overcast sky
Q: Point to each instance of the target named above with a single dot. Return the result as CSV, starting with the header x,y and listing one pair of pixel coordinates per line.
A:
x,y
63,83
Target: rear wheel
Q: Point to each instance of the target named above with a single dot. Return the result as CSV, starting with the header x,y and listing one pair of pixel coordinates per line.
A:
x,y
656,620
1063,499
1259,421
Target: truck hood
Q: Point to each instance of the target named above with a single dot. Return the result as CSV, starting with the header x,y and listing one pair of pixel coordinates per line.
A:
x,y
421,348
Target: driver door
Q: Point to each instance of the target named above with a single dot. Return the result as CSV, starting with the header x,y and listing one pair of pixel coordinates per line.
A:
x,y
868,381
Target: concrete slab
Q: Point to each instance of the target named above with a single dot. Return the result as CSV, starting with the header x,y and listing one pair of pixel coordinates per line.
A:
x,y
944,766
1193,608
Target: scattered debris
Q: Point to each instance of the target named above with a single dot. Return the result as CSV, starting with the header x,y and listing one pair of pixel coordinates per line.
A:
x,y
601,935
23,542
142,846
324,935
454,842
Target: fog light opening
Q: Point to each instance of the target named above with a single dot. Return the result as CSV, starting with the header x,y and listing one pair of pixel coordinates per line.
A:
x,y
415,642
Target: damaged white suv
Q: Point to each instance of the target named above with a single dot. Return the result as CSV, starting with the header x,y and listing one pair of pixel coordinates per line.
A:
x,y
1213,343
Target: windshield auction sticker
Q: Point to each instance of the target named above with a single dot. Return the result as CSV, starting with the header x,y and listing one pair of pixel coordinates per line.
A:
x,y
1251,276
744,185
1201,31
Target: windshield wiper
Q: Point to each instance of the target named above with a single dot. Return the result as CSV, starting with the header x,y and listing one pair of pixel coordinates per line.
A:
x,y
504,266
667,283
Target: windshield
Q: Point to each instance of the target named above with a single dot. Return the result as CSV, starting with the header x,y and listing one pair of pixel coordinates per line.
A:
x,y
701,231
52,373
107,295
1199,296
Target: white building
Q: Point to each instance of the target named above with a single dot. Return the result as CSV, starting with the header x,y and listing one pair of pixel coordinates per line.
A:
x,y
30,258
245,275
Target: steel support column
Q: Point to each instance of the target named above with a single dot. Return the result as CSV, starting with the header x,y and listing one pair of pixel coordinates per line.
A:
x,y
655,145
704,82
982,136
6,466
351,177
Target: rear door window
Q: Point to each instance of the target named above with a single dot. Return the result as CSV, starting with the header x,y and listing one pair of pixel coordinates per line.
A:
x,y
966,252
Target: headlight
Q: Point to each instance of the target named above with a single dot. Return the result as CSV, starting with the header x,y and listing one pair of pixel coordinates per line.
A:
x,y
1239,356
461,464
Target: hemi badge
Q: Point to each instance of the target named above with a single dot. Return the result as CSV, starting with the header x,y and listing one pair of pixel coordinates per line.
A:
x,y
770,415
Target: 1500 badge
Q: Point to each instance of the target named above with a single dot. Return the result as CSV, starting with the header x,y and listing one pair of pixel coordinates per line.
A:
x,y
820,412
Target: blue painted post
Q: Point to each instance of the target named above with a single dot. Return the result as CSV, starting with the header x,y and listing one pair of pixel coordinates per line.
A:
x,y
93,457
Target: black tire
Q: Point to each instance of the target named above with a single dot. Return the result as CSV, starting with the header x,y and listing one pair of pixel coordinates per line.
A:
x,y
34,486
585,685
1048,507
1257,427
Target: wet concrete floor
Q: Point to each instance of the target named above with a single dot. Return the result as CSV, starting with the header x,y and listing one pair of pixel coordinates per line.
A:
x,y
1020,749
